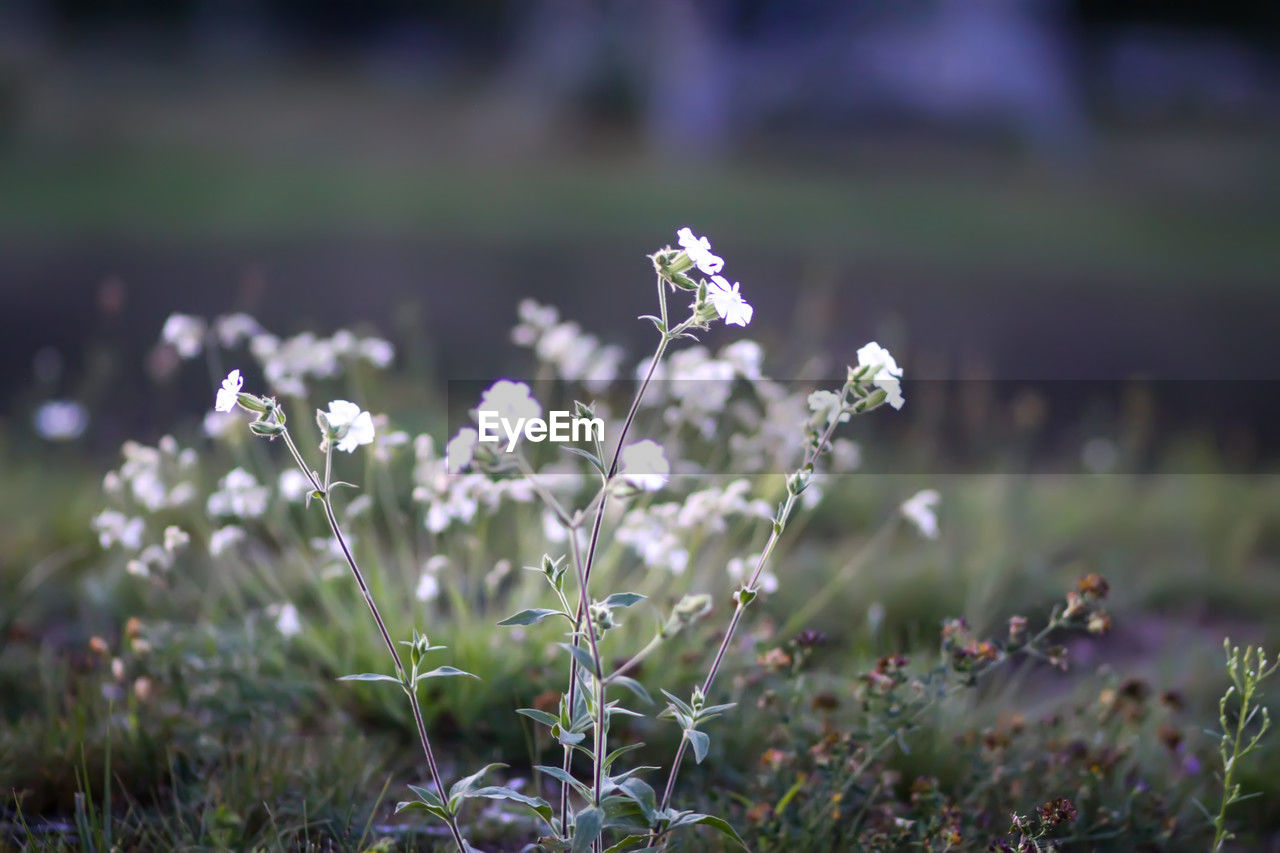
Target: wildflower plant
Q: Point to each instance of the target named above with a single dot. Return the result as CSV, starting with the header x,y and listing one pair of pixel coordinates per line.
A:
x,y
1244,721
604,488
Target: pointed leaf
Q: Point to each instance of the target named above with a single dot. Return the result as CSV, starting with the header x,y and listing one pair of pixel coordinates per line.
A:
x,y
370,676
500,792
587,826
582,656
532,616
722,826
560,776
465,784
539,716
590,457
700,741
623,599
444,672
634,686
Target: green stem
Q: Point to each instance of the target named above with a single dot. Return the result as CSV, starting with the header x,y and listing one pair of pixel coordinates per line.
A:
x,y
432,766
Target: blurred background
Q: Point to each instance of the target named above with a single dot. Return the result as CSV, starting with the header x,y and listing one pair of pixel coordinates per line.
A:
x,y
1019,190
1077,202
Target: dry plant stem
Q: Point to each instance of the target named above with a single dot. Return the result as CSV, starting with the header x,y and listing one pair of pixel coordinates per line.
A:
x,y
585,576
433,768
738,610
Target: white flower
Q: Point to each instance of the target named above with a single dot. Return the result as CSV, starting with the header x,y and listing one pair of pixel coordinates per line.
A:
x,y
728,302
113,526
461,449
510,400
293,484
887,372
920,510
740,570
223,538
184,333
61,420
644,465
358,425
287,622
231,386
428,587
175,538
240,495
699,251
377,352
827,404
234,328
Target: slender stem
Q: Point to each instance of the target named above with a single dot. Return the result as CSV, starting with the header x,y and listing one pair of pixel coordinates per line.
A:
x,y
668,335
779,526
411,689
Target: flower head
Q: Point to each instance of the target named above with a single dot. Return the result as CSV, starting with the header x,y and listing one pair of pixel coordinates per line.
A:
x,y
184,333
461,449
644,465
728,302
921,510
353,427
510,400
887,373
699,251
227,394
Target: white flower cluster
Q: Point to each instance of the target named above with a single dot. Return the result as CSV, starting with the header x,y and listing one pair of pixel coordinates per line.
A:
x,y
286,363
695,386
724,297
575,355
239,495
150,480
451,498
663,534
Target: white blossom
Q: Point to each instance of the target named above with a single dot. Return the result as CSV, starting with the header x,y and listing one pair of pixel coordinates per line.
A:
x,y
921,510
887,373
293,485
231,386
377,352
184,333
224,538
644,465
287,622
827,405
510,400
740,570
699,251
353,426
240,495
461,449
61,420
728,302
115,527
175,538
232,329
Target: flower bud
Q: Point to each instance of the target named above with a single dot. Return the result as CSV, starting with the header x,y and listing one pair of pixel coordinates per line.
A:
x,y
602,617
254,403
266,429
799,481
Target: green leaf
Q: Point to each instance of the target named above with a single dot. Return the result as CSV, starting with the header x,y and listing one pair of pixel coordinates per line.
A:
x,y
590,457
370,676
538,716
587,826
635,687
643,795
566,737
722,826
539,806
678,703
464,785
418,805
581,655
532,616
428,796
626,845
619,752
444,672
560,776
700,741
623,599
